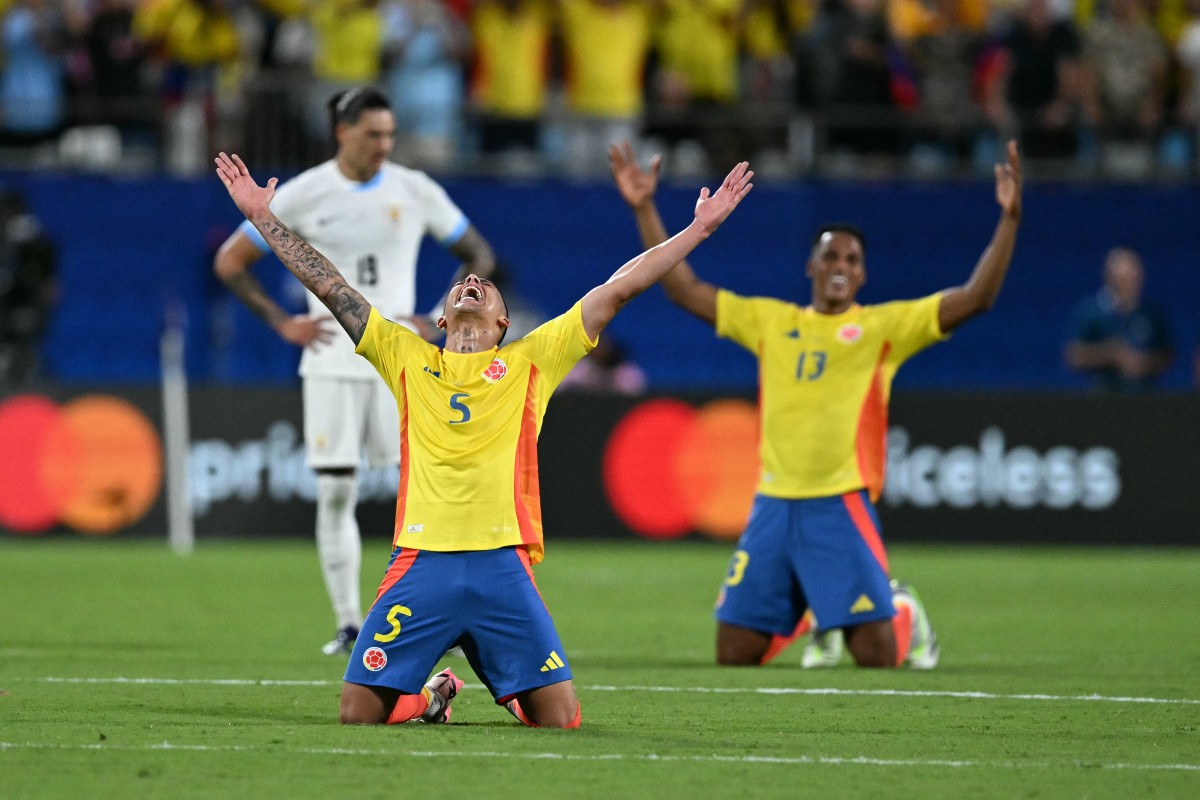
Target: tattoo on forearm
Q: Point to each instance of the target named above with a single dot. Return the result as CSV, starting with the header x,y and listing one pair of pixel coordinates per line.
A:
x,y
350,309
319,276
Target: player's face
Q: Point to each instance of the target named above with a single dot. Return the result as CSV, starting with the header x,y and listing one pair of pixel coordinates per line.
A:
x,y
837,271
365,144
476,301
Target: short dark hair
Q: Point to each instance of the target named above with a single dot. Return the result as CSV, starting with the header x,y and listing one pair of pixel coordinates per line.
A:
x,y
349,105
842,227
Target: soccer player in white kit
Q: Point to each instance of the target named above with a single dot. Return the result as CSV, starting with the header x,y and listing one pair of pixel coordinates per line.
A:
x,y
368,215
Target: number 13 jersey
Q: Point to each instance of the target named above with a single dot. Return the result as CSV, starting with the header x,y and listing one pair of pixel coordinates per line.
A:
x,y
824,384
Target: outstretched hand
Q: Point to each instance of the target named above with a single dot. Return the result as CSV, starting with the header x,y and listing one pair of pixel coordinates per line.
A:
x,y
1008,182
248,196
635,185
712,211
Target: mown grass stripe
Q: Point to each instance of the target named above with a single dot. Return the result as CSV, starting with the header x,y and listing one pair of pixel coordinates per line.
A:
x,y
769,690
649,757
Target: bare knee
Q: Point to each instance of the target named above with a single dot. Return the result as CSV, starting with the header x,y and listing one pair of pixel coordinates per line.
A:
x,y
872,644
553,706
365,705
559,717
740,647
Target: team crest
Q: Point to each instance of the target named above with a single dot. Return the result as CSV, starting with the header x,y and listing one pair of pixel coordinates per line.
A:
x,y
849,333
495,371
394,213
374,659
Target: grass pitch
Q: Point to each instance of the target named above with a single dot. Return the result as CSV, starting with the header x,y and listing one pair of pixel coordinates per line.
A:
x,y
127,672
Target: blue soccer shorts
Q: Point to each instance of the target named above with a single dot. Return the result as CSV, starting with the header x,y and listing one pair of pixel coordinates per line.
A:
x,y
822,553
484,601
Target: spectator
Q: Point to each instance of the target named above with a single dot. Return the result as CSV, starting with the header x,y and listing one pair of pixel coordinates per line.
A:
x,y
349,36
1039,91
944,54
696,77
425,46
508,87
115,59
194,40
605,46
608,370
1126,70
798,21
858,79
27,289
1187,53
1119,340
32,105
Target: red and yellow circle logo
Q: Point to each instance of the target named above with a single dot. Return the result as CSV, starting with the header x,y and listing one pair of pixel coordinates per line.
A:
x,y
94,464
495,371
374,659
670,468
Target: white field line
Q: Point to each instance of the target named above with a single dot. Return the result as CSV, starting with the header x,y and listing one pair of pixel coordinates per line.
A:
x,y
768,690
635,757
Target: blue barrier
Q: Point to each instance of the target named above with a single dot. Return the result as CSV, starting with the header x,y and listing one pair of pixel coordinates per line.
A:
x,y
131,247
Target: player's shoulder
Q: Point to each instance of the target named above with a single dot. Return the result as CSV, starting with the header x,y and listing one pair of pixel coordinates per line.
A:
x,y
408,176
899,306
322,174
762,304
565,325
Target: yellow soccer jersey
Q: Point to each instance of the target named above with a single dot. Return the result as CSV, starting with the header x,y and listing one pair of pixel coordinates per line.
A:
x,y
469,424
824,384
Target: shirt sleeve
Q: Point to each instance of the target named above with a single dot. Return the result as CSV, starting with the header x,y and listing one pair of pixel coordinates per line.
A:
x,y
739,319
556,346
443,219
913,325
387,345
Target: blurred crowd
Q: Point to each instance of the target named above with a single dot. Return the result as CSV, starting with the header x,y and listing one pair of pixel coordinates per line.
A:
x,y
1095,87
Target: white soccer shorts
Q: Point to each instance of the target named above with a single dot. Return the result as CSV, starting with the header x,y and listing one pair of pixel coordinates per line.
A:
x,y
344,417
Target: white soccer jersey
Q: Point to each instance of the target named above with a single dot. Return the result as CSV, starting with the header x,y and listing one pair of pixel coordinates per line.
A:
x,y
371,232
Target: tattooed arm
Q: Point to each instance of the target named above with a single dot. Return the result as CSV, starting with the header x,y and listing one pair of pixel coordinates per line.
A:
x,y
234,266
315,271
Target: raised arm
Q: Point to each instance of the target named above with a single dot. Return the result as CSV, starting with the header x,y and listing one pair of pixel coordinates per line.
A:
x,y
979,293
315,271
637,187
601,304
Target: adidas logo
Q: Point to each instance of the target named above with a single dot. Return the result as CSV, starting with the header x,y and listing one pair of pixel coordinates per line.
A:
x,y
862,605
553,662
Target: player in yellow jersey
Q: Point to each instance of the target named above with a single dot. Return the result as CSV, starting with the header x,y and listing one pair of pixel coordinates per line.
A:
x,y
468,521
812,542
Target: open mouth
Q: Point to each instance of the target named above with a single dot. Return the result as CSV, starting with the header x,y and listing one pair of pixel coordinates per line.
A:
x,y
471,292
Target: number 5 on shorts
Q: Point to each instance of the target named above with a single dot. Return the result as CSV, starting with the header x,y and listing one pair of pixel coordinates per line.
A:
x,y
392,618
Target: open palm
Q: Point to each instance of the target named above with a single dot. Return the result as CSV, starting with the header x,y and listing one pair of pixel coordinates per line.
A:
x,y
248,196
711,211
635,185
1008,182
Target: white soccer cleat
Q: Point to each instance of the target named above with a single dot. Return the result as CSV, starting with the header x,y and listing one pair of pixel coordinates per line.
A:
x,y
343,642
923,652
824,649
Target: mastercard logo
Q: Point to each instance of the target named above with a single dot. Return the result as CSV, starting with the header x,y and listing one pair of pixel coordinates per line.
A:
x,y
670,468
93,464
